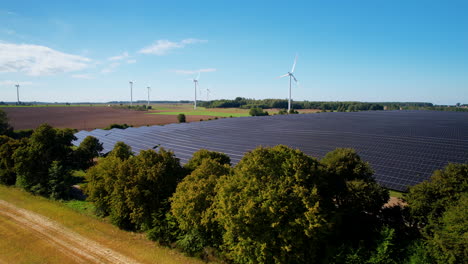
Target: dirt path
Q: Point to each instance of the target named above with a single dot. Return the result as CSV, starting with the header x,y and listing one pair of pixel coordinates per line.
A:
x,y
77,247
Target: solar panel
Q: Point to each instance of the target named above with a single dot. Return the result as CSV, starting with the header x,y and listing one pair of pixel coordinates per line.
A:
x,y
403,147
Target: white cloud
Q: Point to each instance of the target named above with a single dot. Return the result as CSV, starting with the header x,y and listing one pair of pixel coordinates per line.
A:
x,y
194,72
111,67
82,76
119,57
162,47
11,83
131,61
38,60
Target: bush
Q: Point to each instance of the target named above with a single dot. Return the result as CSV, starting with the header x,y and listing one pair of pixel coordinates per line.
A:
x,y
119,126
181,118
257,112
292,111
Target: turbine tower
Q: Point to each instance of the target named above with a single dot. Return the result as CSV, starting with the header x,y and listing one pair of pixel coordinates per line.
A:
x,y
291,77
149,88
195,81
131,93
208,92
17,92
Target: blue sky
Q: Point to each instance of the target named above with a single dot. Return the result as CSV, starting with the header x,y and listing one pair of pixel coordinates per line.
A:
x,y
378,50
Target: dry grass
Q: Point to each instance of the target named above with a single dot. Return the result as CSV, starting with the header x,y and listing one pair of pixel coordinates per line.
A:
x,y
18,246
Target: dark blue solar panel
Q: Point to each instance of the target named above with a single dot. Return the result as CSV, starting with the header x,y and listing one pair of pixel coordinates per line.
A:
x,y
403,147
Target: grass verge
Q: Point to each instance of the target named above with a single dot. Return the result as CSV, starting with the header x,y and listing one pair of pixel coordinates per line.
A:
x,y
17,246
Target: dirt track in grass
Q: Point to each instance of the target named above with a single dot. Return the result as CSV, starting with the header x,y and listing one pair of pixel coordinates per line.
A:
x,y
72,246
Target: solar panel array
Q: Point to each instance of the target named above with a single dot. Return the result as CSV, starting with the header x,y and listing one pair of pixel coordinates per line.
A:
x,y
403,147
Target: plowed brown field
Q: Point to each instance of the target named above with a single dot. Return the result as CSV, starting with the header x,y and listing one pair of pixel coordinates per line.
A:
x,y
85,117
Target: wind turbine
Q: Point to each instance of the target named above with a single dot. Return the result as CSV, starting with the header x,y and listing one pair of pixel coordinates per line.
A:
x,y
17,92
131,93
149,88
195,81
208,92
291,77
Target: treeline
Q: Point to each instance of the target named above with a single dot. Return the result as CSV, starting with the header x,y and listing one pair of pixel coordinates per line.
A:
x,y
245,103
277,205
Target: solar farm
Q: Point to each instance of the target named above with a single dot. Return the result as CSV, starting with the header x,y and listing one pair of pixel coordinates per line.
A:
x,y
403,147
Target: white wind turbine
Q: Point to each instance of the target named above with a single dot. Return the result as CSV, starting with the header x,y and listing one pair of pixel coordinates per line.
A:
x,y
195,81
149,89
291,77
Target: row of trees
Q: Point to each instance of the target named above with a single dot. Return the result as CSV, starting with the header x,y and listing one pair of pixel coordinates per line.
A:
x,y
246,103
278,205
42,162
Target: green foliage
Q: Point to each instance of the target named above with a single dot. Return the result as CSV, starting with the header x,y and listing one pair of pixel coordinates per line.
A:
x,y
192,204
450,241
88,149
100,183
119,126
131,188
269,208
385,251
7,171
59,181
292,111
439,208
256,111
181,118
283,112
429,200
34,159
121,151
202,154
5,128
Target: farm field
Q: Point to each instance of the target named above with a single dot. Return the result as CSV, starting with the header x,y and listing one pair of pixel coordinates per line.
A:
x,y
88,118
37,230
85,117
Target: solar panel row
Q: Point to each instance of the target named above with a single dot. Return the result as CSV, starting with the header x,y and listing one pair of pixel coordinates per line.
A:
x,y
403,147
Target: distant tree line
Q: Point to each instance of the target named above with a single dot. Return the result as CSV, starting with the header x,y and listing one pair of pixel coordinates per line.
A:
x,y
245,103
277,205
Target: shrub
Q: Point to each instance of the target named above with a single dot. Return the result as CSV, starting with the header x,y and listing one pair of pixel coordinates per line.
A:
x,y
181,118
257,112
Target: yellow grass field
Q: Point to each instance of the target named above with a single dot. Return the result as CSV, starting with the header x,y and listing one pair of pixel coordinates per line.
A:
x,y
36,230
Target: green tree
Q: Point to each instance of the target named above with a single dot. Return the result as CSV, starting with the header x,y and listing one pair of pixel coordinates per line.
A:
x,y
100,181
428,200
5,128
192,203
181,118
269,208
7,171
256,111
202,154
121,151
88,149
59,181
450,241
147,181
33,159
438,209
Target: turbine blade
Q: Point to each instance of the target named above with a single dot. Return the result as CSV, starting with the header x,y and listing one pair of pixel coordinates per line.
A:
x,y
287,74
198,76
294,78
294,65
